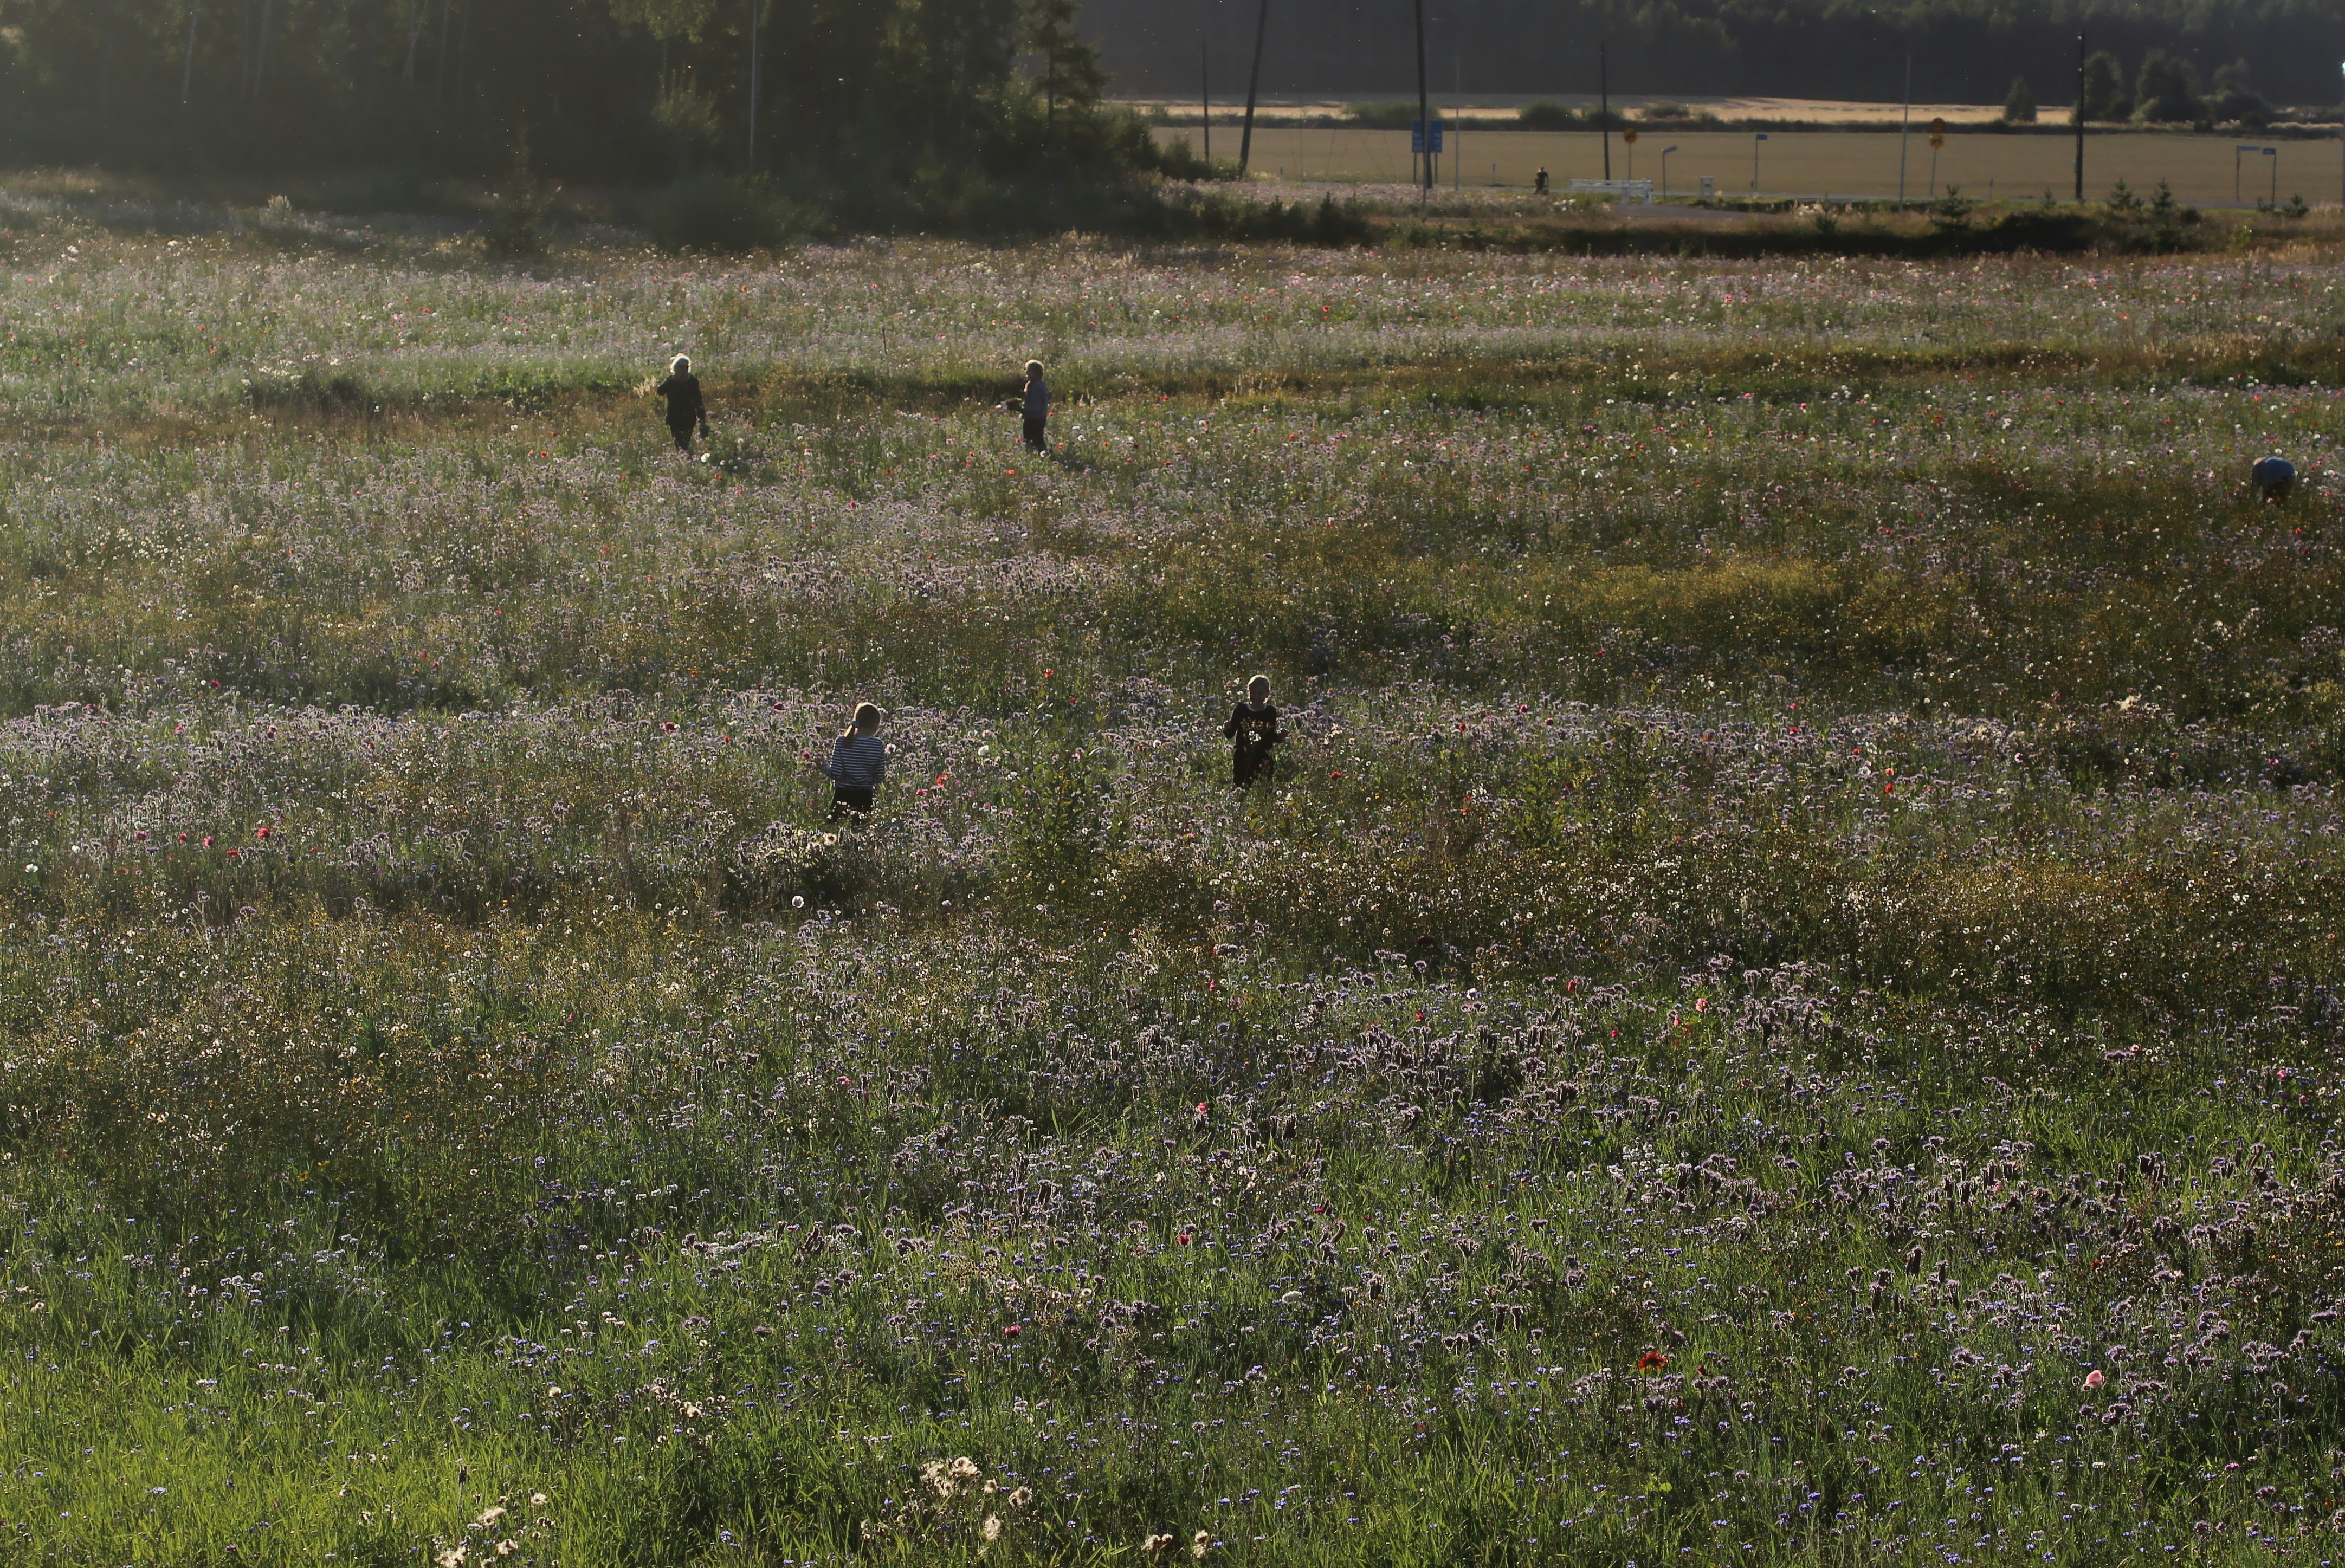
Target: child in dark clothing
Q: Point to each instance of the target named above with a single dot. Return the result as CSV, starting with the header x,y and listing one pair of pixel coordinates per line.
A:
x,y
1034,402
686,407
1254,730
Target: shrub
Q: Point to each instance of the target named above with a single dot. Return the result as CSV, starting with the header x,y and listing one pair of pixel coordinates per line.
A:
x,y
2167,91
517,222
721,212
2104,97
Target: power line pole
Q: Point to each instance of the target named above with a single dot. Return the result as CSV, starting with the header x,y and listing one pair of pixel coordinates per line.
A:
x,y
1254,81
1423,113
1604,99
1905,124
1205,102
187,72
2080,114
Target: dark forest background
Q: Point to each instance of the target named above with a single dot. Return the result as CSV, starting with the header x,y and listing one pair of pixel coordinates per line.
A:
x,y
1965,50
909,111
909,101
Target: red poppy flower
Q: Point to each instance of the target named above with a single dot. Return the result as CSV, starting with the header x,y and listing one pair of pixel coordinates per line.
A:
x,y
261,832
1011,1331
208,841
1651,1361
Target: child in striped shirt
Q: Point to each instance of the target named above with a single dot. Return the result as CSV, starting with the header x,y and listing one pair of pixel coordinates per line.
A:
x,y
857,766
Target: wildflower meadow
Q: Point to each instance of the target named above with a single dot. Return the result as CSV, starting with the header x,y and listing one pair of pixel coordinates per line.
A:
x,y
1781,1007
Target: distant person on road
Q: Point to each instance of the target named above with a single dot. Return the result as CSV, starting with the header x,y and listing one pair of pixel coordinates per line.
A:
x,y
1253,730
1034,403
1539,186
857,766
2274,477
685,408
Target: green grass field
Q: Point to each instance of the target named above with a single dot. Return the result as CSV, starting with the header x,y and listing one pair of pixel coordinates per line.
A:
x,y
1782,1008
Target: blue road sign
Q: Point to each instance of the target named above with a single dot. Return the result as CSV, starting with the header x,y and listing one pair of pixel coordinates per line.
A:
x,y
1417,138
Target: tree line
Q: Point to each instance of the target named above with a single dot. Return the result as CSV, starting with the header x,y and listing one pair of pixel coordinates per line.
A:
x,y
912,101
1962,51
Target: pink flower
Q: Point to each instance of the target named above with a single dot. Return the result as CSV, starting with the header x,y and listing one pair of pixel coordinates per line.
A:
x,y
2094,1378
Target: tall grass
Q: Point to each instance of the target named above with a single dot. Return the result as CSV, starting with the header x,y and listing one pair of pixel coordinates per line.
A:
x,y
1783,1006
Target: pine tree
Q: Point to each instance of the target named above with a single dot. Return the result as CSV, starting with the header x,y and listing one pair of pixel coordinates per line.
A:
x,y
1072,78
2019,104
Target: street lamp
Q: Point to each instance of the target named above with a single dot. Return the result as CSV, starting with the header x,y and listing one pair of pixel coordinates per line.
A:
x,y
1665,169
2236,152
1754,161
2273,154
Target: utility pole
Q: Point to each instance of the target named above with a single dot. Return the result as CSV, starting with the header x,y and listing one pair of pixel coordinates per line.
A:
x,y
1423,113
1205,102
1604,100
2080,114
187,72
1254,81
1905,125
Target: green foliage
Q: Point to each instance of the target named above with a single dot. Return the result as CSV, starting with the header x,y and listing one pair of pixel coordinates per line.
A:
x,y
2236,101
1072,78
720,212
693,119
2019,104
2166,89
894,106
2103,95
517,220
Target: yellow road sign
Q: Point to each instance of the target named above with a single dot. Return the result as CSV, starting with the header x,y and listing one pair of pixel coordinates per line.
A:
x,y
1937,141
1629,135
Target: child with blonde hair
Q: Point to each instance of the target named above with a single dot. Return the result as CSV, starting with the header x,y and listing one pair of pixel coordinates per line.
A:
x,y
857,766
